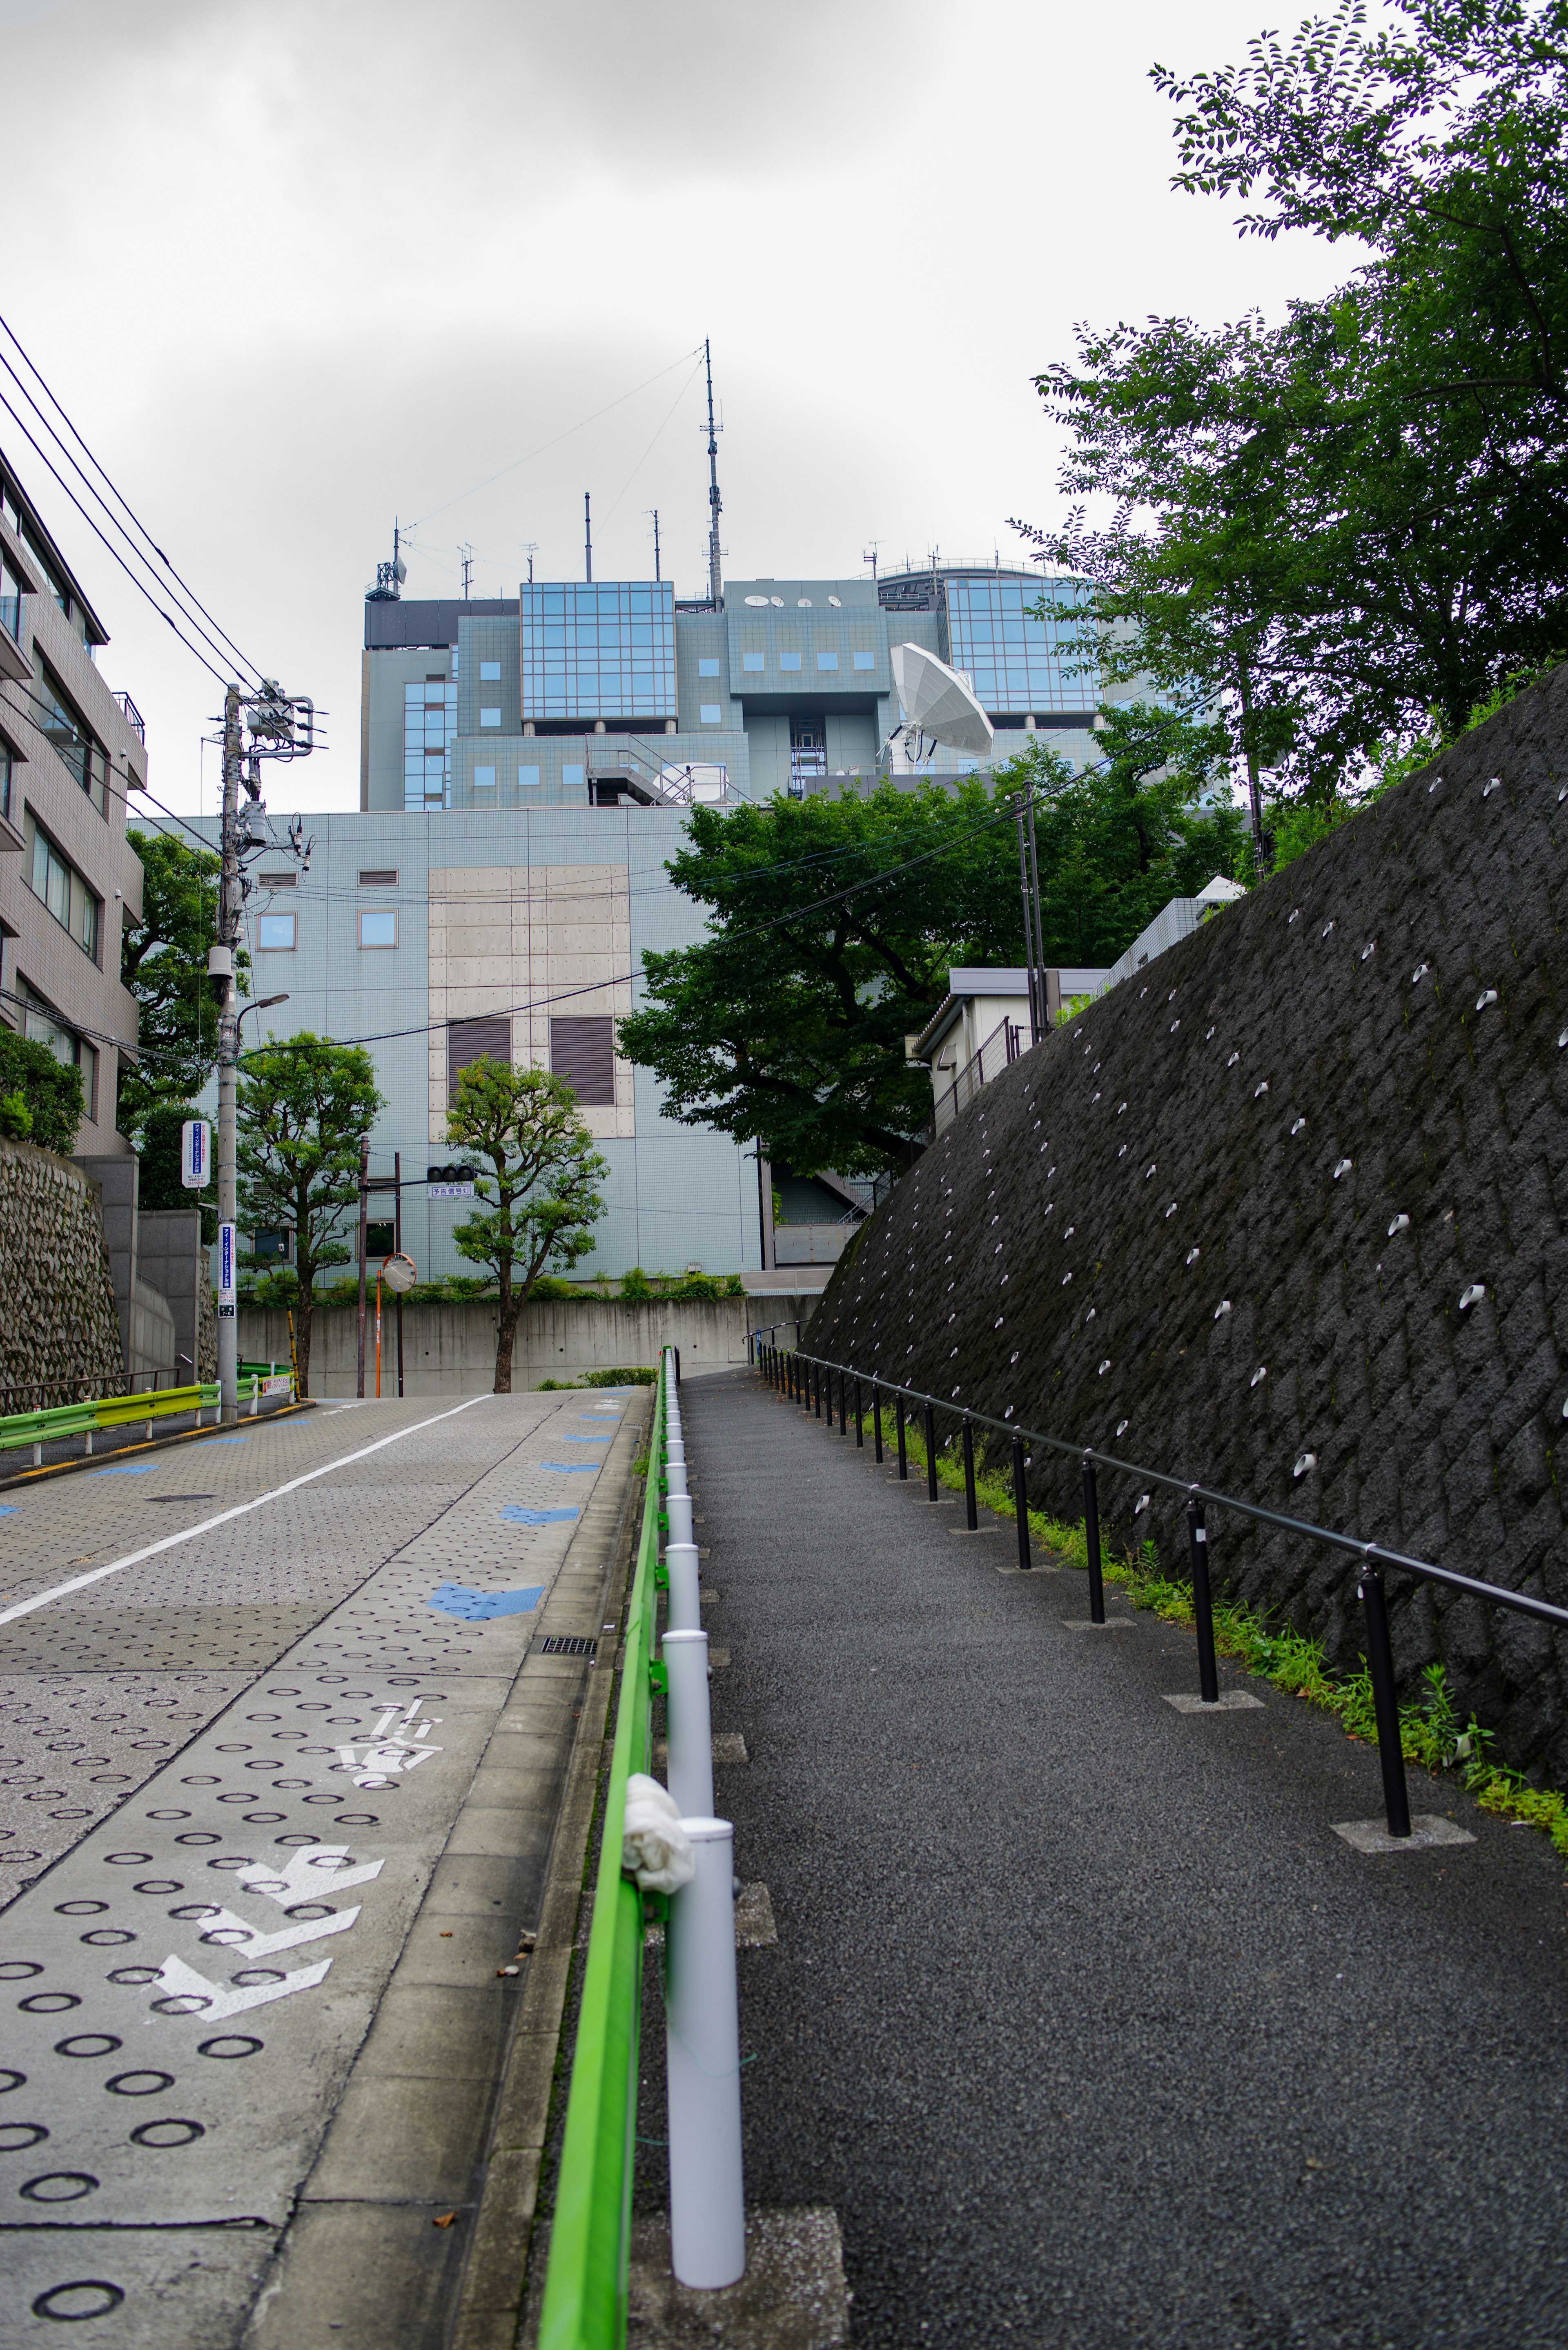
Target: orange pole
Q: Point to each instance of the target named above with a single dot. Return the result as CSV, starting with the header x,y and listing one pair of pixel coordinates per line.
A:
x,y
378,1338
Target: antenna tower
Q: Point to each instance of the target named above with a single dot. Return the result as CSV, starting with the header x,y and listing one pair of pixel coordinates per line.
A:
x,y
654,511
530,551
588,537
467,551
715,503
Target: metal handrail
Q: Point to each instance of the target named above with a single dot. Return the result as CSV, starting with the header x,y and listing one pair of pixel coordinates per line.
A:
x,y
1372,1558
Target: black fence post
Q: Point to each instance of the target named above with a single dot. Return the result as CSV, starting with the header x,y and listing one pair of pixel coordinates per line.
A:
x,y
827,1384
844,1403
1021,1504
930,1453
817,1380
1092,1543
859,1423
1385,1701
898,1423
971,1514
1202,1602
876,1420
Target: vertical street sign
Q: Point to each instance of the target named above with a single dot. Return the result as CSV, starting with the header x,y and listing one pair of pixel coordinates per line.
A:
x,y
225,1271
195,1154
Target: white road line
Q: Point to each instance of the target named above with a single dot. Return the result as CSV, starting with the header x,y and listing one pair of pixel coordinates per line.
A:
x,y
171,1542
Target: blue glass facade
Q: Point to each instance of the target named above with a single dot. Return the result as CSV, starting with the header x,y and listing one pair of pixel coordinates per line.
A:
x,y
599,650
1016,661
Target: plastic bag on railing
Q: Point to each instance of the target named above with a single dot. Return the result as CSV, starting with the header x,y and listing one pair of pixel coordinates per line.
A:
x,y
655,1847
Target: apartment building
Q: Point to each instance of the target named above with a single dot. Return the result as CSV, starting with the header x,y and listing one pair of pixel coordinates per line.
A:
x,y
70,752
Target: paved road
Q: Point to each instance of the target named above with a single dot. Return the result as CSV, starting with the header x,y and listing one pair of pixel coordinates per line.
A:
x,y
1081,2016
276,1793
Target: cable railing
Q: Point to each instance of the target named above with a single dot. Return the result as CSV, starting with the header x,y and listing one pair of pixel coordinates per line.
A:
x,y
808,1380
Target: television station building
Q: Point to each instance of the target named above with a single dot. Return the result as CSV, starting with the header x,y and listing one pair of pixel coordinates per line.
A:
x,y
527,771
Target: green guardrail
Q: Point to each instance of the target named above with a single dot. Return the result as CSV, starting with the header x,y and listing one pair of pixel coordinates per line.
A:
x,y
86,1419
585,2283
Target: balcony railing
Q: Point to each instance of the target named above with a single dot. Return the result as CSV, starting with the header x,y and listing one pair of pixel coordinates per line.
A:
x,y
133,717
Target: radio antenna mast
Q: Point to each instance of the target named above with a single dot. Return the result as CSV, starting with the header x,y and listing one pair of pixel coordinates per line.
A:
x,y
715,503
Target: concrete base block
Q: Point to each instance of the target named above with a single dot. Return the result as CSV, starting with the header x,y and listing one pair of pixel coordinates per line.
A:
x,y
729,1746
973,1531
1087,1623
1228,1701
792,2297
1426,1830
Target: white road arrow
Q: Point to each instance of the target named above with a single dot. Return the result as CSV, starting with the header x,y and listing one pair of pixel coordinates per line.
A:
x,y
213,2003
309,1873
226,1932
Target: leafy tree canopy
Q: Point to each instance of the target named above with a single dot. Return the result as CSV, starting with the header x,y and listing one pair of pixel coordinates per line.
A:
x,y
541,1196
161,1182
164,962
40,1098
1334,526
305,1107
835,923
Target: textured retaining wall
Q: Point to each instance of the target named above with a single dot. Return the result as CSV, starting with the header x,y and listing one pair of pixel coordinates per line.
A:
x,y
1377,1033
59,1325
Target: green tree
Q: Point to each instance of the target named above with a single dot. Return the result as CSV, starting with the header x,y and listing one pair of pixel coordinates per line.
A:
x,y
43,1097
164,962
305,1107
540,1200
1334,526
834,924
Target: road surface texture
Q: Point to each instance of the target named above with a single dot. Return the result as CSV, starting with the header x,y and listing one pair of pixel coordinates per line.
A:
x,y
1082,2017
282,1756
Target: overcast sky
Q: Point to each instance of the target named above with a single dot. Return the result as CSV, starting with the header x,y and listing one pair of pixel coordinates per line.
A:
x,y
297,266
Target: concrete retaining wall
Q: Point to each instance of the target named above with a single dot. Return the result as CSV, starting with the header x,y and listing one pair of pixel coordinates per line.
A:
x,y
451,1349
59,1325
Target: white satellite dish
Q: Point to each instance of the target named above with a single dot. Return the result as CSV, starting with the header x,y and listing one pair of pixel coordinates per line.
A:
x,y
935,701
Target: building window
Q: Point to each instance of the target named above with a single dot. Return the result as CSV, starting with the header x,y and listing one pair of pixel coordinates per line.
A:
x,y
77,747
583,1052
9,763
429,729
1016,640
710,713
865,661
11,594
379,877
490,717
789,661
378,929
275,934
752,663
380,1241
278,881
827,660
484,779
489,671
468,1041
807,752
528,779
56,880
707,669
571,778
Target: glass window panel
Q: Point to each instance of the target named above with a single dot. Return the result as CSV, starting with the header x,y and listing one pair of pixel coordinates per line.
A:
x,y
490,717
379,928
275,932
483,779
751,661
707,669
490,669
528,779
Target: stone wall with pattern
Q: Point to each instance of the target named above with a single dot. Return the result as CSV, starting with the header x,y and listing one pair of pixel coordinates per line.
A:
x,y
1291,1214
58,1325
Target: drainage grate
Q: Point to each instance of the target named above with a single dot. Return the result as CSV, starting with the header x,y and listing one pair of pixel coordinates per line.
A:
x,y
556,1645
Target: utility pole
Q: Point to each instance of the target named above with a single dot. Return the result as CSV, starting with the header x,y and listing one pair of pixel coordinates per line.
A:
x,y
715,503
364,1214
588,537
220,966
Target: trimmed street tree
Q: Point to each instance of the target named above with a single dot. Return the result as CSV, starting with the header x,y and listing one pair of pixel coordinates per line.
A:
x,y
541,1199
305,1106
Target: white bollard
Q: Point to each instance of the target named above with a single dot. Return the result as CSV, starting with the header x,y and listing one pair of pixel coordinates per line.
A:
x,y
678,1509
685,1598
674,1451
690,1724
702,2049
675,1477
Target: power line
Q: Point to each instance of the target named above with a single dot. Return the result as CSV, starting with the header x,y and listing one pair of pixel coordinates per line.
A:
x,y
215,643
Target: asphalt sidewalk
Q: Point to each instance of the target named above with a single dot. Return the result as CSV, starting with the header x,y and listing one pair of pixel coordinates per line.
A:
x,y
1081,2016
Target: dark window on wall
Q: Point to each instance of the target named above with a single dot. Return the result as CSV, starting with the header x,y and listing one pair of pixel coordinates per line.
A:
x,y
78,748
378,1240
583,1052
472,1040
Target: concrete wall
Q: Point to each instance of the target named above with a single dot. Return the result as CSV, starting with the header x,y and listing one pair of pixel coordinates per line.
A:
x,y
171,1259
148,1331
1173,1230
59,1331
451,1349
